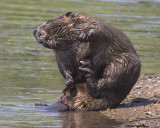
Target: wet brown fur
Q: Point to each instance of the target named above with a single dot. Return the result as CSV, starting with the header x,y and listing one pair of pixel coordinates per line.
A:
x,y
81,100
109,51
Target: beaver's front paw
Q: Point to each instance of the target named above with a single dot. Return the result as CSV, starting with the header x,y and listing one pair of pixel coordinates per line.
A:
x,y
87,67
87,36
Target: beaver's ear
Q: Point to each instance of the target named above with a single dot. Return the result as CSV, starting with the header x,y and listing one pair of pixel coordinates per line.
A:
x,y
69,14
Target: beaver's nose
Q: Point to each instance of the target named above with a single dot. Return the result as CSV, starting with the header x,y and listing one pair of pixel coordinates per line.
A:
x,y
34,32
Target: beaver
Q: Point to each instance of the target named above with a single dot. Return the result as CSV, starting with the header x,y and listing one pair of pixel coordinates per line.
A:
x,y
98,61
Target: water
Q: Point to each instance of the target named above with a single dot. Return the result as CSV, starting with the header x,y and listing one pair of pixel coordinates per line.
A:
x,y
29,73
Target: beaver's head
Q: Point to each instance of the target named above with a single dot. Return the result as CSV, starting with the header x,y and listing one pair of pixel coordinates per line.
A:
x,y
61,30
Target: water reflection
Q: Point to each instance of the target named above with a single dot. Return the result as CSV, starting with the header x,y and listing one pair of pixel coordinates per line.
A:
x,y
33,117
86,120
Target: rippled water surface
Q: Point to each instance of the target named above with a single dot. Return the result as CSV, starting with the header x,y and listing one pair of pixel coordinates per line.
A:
x,y
28,71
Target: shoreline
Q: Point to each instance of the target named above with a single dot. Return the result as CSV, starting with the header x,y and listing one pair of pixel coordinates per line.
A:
x,y
141,108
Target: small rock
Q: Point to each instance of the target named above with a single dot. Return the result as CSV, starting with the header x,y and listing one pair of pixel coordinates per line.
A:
x,y
157,95
150,113
138,87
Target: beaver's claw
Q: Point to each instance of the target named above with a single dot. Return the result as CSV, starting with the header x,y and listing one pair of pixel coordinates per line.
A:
x,y
87,36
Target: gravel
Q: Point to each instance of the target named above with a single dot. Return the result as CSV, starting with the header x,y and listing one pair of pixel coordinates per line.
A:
x,y
141,108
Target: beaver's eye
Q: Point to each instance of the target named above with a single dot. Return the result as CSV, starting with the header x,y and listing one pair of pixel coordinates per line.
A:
x,y
42,34
69,14
39,34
